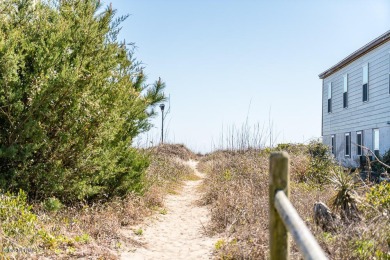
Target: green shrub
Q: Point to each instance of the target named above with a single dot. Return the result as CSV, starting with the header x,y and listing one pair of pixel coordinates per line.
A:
x,y
379,196
318,150
16,219
376,166
309,163
321,164
72,99
291,148
52,204
386,159
369,249
346,198
23,231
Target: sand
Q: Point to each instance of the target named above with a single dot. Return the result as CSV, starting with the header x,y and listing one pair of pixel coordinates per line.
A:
x,y
180,233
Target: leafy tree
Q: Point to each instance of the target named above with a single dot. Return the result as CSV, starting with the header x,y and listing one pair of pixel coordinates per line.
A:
x,y
72,98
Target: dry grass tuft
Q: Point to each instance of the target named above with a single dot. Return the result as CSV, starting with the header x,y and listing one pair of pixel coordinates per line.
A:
x,y
237,191
174,150
167,171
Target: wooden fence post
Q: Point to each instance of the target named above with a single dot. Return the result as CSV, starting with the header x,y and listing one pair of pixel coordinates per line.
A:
x,y
279,180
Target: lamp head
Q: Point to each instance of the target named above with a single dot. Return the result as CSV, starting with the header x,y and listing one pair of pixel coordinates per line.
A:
x,y
162,106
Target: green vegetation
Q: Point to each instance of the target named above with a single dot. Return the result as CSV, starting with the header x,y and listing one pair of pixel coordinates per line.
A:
x,y
16,219
71,102
237,192
219,244
72,99
386,159
55,230
21,229
52,204
379,196
311,163
321,163
346,198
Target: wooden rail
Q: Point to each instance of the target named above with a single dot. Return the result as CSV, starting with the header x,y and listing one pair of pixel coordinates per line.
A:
x,y
284,219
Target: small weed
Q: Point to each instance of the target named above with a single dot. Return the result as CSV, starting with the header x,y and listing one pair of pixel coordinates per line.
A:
x,y
364,248
83,239
163,211
328,237
192,177
172,191
219,244
139,232
52,204
228,175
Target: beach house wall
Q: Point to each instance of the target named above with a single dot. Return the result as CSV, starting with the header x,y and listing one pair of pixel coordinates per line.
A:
x,y
356,102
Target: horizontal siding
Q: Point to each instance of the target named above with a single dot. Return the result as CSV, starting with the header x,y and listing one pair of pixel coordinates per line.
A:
x,y
353,160
359,115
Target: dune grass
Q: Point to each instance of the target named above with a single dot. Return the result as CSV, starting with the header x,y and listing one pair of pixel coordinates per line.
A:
x,y
237,191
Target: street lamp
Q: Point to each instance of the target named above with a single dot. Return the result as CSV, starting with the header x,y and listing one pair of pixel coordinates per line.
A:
x,y
162,106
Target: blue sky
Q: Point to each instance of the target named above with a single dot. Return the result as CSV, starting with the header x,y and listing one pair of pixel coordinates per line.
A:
x,y
226,61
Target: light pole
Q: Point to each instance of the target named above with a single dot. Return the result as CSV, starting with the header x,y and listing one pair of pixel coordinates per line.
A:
x,y
162,106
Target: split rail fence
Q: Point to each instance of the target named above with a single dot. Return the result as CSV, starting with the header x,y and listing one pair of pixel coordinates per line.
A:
x,y
284,219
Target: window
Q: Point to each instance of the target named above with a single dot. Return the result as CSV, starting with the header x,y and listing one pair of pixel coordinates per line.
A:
x,y
347,144
345,92
365,83
376,141
333,144
330,97
389,72
359,142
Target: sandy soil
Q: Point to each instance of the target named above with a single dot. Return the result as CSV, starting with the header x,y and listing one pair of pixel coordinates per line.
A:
x,y
180,233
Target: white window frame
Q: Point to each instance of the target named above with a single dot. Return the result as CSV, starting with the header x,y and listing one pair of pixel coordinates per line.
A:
x,y
329,97
389,75
375,139
365,73
333,144
365,81
357,143
345,91
347,144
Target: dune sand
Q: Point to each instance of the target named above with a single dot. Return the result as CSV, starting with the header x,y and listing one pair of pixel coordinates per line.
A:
x,y
180,233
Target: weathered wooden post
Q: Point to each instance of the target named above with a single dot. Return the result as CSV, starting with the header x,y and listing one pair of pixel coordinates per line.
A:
x,y
279,180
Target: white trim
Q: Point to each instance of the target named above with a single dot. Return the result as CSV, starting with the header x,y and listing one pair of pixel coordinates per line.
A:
x,y
333,144
365,73
349,144
345,83
362,142
375,139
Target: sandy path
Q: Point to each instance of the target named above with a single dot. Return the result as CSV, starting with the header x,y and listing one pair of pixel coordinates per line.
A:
x,y
180,233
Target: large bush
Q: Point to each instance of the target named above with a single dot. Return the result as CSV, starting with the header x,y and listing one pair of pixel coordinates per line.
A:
x,y
321,163
310,163
72,98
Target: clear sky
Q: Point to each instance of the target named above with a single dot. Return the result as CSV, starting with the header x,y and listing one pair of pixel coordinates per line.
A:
x,y
225,61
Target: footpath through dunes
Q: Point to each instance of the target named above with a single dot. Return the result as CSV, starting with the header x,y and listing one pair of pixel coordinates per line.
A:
x,y
178,234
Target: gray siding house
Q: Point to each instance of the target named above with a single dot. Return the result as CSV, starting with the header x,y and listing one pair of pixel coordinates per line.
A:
x,y
356,102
